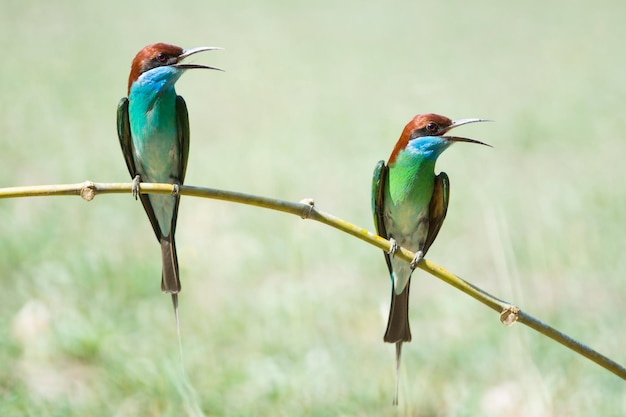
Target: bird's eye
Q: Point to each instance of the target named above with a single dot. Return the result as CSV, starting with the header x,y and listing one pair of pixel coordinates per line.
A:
x,y
432,127
161,57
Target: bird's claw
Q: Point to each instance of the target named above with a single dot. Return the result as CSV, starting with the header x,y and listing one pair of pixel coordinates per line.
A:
x,y
419,255
394,247
135,188
175,190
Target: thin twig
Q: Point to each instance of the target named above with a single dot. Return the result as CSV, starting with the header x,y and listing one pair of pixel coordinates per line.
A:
x,y
509,314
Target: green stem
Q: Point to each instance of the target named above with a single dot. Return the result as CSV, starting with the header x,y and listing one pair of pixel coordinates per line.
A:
x,y
509,313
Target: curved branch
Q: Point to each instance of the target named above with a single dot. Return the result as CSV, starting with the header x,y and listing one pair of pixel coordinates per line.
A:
x,y
509,314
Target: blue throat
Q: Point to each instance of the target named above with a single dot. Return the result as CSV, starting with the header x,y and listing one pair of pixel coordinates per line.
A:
x,y
428,147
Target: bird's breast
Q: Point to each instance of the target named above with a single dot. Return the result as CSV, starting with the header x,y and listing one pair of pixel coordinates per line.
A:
x,y
155,136
409,188
410,184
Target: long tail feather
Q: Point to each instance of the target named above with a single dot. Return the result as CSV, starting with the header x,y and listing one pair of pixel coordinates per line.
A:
x,y
398,329
170,281
180,339
398,357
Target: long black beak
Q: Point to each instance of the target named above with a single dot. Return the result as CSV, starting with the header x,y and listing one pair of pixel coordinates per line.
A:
x,y
460,122
189,52
459,139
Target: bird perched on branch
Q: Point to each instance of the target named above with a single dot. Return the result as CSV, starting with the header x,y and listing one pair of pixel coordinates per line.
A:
x,y
153,129
409,203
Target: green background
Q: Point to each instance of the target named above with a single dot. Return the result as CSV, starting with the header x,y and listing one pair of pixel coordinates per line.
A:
x,y
285,317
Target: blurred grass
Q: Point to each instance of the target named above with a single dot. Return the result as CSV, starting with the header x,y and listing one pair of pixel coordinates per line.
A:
x,y
314,95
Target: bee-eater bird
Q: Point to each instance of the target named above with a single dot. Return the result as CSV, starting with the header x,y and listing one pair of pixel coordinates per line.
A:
x,y
410,203
153,129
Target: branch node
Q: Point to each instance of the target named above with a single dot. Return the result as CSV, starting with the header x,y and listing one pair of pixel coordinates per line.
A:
x,y
308,209
88,191
509,315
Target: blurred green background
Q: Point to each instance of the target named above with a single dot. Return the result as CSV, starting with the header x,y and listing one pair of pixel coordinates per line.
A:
x,y
285,317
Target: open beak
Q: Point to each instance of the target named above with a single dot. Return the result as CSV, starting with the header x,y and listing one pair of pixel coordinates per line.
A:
x,y
189,52
460,122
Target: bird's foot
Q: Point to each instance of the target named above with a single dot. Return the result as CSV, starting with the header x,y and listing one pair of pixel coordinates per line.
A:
x,y
135,189
394,247
419,255
175,190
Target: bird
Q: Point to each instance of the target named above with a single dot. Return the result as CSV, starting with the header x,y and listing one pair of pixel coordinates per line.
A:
x,y
153,130
409,204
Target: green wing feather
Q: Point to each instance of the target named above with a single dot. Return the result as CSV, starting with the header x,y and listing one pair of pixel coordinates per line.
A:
x,y
379,182
123,134
182,119
438,208
380,172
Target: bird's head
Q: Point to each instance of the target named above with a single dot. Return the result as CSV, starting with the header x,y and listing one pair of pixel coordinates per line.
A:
x,y
425,134
163,55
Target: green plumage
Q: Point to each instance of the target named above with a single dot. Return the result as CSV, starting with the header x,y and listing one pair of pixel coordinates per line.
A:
x,y
409,204
162,210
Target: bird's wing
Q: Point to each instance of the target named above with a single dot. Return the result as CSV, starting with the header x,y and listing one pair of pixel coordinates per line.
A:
x,y
182,122
438,208
123,133
126,142
379,181
182,127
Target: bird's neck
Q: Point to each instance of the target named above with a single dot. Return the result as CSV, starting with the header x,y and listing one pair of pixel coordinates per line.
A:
x,y
154,89
156,80
152,101
153,86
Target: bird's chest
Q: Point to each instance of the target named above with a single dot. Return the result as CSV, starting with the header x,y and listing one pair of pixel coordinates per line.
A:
x,y
407,200
155,137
